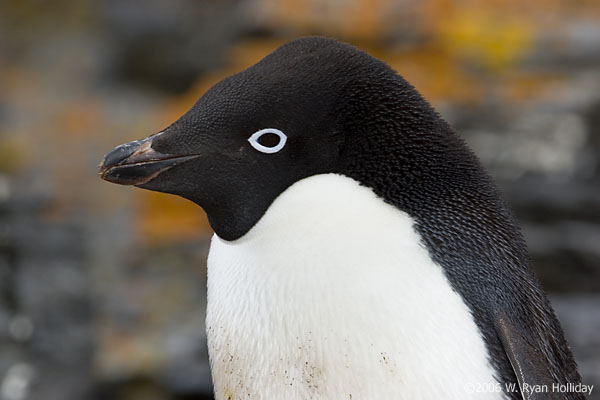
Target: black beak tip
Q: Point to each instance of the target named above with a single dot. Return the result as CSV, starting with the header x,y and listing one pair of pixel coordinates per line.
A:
x,y
136,163
115,157
120,154
118,159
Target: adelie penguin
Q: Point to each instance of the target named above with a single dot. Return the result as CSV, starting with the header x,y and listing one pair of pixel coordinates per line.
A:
x,y
360,250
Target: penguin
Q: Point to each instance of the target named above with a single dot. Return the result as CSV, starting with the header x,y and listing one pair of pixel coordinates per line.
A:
x,y
360,250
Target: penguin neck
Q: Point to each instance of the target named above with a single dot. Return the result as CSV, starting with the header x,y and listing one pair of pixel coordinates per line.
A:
x,y
332,295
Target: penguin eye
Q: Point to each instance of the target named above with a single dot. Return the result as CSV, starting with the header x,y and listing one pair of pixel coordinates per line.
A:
x,y
268,140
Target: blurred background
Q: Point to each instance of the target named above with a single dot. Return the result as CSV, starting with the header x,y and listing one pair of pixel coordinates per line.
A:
x,y
102,288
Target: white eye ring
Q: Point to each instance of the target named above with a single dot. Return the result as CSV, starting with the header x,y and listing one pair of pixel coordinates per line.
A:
x,y
264,149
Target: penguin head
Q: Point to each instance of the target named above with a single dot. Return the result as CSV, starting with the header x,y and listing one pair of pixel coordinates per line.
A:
x,y
312,106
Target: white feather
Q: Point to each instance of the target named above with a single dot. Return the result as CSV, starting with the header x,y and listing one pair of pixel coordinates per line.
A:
x,y
332,295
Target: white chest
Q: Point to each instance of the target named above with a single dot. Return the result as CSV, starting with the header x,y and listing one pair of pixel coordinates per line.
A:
x,y
332,296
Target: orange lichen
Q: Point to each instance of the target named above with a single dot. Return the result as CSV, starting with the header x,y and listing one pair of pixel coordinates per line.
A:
x,y
164,217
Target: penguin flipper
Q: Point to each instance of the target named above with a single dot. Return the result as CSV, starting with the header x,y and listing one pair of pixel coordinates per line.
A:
x,y
531,367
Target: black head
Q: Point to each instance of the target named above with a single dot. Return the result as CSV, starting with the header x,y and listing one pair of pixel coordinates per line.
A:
x,y
305,93
312,106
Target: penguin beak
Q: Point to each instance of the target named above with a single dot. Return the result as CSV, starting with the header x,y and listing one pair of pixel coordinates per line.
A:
x,y
137,163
